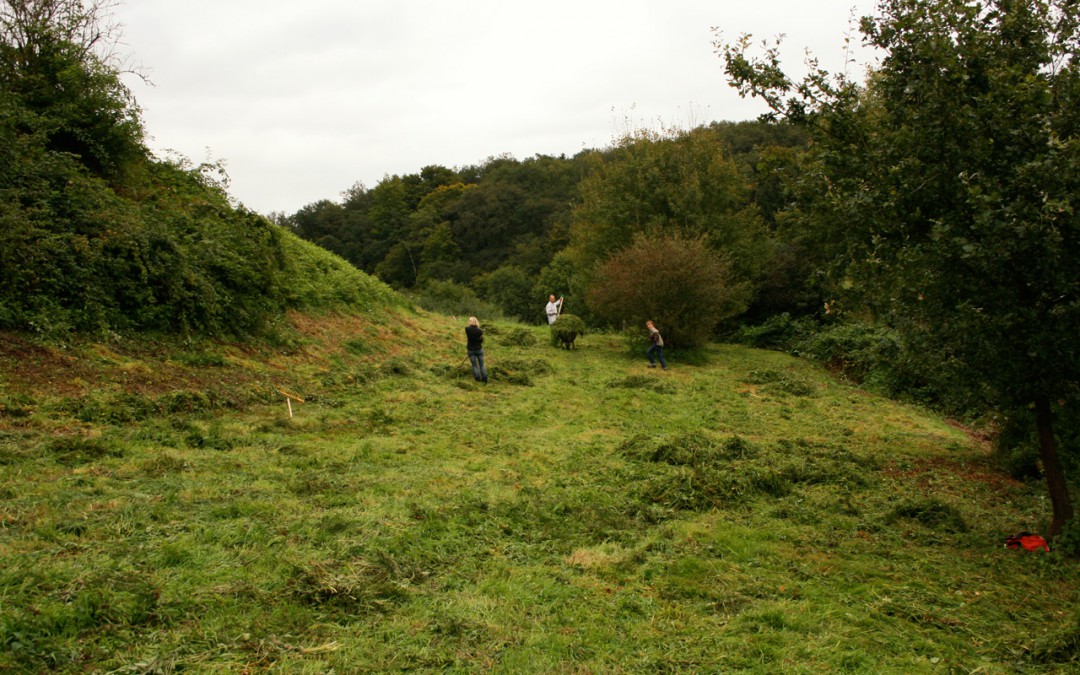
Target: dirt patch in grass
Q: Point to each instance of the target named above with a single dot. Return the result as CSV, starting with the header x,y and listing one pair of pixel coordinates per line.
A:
x,y
924,472
30,366
143,369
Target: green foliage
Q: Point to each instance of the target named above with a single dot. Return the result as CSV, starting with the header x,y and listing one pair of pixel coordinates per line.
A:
x,y
454,299
1067,543
511,290
506,214
177,260
57,70
858,350
400,267
677,184
949,178
1015,448
440,257
317,281
566,330
780,331
1016,443
682,285
323,223
96,236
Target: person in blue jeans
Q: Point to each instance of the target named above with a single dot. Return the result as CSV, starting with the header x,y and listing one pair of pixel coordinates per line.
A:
x,y
475,348
656,346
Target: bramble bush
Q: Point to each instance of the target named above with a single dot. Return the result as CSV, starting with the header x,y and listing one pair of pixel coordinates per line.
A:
x,y
98,236
680,283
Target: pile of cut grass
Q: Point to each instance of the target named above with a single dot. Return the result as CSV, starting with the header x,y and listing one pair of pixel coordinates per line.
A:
x,y
162,512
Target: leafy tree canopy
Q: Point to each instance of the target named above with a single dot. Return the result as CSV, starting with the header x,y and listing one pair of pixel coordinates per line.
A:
x,y
679,184
950,178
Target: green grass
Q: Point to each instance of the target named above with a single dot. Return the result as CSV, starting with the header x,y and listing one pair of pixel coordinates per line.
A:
x,y
161,512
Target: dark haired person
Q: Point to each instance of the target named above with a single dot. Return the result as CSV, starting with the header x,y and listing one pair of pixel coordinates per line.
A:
x,y
475,348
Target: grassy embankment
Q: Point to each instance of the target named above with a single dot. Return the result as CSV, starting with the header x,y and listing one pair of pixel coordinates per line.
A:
x,y
162,512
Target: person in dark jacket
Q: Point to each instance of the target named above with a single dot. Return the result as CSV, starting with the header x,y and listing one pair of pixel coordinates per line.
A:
x,y
475,348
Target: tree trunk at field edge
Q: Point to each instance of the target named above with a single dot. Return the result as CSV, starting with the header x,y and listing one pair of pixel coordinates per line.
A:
x,y
1055,475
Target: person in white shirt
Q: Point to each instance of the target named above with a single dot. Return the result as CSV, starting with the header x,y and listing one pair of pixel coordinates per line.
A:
x,y
553,308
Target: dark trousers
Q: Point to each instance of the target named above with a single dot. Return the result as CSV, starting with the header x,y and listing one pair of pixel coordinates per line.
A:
x,y
658,352
476,358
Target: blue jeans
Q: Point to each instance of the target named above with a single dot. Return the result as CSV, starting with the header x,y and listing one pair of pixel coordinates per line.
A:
x,y
476,358
657,351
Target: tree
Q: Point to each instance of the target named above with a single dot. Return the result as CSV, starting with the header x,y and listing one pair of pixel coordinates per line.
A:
x,y
56,60
323,223
441,257
654,183
679,283
951,177
510,289
399,267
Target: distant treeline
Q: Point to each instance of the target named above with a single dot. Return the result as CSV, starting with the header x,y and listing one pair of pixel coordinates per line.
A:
x,y
512,231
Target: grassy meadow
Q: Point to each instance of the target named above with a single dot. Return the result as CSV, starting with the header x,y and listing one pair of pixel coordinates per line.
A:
x,y
745,511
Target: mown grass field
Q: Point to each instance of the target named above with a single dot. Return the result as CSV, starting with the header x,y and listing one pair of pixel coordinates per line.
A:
x,y
744,511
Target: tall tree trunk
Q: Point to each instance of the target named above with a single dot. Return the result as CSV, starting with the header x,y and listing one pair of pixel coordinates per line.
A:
x,y
1055,475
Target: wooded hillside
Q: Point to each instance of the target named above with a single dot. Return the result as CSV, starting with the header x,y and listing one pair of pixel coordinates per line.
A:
x,y
97,235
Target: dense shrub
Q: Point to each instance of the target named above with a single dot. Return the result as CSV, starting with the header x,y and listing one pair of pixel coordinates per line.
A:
x,y
780,331
96,235
681,284
559,278
1016,445
510,289
859,350
448,297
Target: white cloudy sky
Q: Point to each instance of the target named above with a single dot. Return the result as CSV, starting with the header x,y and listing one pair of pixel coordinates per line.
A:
x,y
303,98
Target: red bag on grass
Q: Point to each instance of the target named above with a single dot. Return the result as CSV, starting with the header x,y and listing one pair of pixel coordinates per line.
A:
x,y
1027,541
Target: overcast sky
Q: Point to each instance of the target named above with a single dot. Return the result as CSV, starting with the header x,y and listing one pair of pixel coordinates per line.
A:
x,y
304,98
